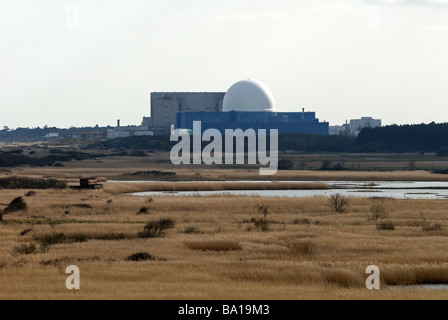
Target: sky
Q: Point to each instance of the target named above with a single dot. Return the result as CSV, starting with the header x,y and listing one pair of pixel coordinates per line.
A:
x,y
87,62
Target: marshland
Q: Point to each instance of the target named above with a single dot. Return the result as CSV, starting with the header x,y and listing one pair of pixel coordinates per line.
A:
x,y
217,247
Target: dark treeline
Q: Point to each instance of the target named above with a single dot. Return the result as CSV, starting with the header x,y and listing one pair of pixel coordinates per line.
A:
x,y
38,134
393,139
390,139
31,183
406,138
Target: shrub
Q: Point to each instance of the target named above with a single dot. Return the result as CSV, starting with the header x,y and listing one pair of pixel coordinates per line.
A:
x,y
81,206
143,210
263,209
386,226
25,232
302,221
378,212
58,238
339,202
261,224
156,229
140,256
18,204
111,237
193,230
214,246
26,249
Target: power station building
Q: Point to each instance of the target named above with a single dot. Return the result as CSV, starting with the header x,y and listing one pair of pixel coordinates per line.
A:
x,y
248,104
166,105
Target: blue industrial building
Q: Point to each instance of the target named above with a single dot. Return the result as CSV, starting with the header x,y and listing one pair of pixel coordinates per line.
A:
x,y
284,122
249,104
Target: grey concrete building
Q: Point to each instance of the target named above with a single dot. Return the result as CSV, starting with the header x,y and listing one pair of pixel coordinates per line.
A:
x,y
165,106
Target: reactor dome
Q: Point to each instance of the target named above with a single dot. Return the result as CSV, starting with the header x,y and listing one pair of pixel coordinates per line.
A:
x,y
249,96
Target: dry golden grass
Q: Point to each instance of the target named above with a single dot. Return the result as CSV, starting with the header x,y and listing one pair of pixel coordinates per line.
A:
x,y
309,252
118,188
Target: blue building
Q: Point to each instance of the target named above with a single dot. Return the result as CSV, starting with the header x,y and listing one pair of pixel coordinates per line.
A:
x,y
249,104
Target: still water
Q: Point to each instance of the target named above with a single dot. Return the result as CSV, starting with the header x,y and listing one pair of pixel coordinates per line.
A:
x,y
386,189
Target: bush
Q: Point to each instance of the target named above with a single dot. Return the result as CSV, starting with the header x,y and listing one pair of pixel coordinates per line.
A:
x,y
58,238
156,229
302,221
386,226
214,246
378,212
261,224
143,210
339,202
18,204
141,256
193,230
26,249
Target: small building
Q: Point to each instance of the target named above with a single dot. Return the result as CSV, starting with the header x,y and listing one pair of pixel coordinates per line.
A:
x,y
88,183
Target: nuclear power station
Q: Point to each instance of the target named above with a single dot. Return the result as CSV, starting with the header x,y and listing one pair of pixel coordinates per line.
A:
x,y
248,104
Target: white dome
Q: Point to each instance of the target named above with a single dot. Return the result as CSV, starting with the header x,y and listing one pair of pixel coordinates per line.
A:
x,y
249,96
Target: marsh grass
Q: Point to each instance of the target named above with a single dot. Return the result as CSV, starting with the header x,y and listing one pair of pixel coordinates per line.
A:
x,y
301,261
431,226
180,186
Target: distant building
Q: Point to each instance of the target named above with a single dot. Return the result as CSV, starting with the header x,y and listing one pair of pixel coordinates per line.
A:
x,y
128,131
343,130
248,104
166,105
164,109
88,183
52,135
357,125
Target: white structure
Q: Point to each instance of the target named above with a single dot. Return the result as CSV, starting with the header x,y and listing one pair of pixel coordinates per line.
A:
x,y
249,96
128,131
357,125
343,130
52,135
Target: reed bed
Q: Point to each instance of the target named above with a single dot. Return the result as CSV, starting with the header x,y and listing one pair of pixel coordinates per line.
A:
x,y
309,251
117,188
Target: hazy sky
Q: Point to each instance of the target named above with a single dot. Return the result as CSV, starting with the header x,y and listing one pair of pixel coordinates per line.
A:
x,y
87,62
